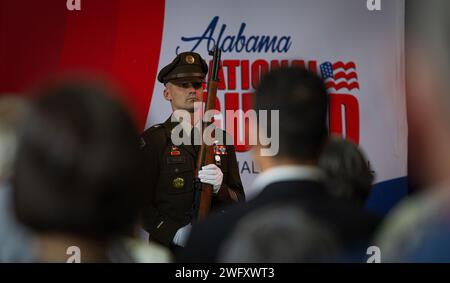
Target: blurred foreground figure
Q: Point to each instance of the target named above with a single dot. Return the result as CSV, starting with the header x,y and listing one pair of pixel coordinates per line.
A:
x,y
291,177
15,239
279,234
418,230
78,178
347,172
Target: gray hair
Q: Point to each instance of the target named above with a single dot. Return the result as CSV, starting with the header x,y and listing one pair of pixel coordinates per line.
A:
x,y
348,175
428,28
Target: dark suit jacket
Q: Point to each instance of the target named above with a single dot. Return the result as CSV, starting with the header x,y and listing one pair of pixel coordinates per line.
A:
x,y
170,177
353,226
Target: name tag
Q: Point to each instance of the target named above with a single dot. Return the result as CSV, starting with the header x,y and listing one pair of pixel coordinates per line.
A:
x,y
176,159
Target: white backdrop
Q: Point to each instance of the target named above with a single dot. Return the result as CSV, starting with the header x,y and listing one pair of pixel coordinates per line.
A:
x,y
368,43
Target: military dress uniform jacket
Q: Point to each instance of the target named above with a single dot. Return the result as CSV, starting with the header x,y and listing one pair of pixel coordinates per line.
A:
x,y
171,172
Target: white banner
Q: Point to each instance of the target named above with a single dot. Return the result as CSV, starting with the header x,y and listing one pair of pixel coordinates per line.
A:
x,y
358,51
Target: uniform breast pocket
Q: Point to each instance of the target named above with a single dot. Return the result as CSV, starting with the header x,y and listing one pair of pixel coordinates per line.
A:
x,y
181,176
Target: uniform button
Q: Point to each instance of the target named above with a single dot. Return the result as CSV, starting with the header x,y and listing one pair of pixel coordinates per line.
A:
x,y
176,170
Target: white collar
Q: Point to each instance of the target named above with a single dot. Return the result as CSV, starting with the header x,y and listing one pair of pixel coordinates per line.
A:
x,y
284,173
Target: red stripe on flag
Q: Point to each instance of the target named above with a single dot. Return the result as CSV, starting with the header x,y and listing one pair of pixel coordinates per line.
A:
x,y
120,39
31,34
90,37
348,76
137,49
340,85
347,66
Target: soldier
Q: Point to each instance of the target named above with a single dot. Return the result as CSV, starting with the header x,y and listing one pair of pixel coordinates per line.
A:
x,y
171,168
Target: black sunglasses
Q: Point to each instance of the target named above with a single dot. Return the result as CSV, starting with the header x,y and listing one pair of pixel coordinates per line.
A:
x,y
195,85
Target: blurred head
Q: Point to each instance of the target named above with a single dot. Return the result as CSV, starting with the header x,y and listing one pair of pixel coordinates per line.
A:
x,y
12,109
279,234
301,98
347,172
78,167
428,97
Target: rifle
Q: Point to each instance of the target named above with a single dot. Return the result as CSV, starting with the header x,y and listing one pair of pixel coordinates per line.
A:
x,y
203,192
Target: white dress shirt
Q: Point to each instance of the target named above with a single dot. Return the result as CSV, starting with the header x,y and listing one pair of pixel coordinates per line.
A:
x,y
284,173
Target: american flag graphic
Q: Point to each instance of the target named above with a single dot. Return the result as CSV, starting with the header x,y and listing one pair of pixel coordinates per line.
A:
x,y
339,75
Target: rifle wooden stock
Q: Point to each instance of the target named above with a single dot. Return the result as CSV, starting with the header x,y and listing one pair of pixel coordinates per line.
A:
x,y
205,156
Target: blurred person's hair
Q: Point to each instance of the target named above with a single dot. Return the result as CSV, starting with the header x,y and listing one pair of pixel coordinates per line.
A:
x,y
79,168
12,109
347,172
302,101
429,31
278,234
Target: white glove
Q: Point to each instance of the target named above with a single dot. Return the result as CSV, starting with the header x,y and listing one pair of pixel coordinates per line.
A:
x,y
211,174
182,235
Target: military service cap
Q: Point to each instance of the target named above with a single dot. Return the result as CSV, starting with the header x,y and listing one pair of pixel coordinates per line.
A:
x,y
186,67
